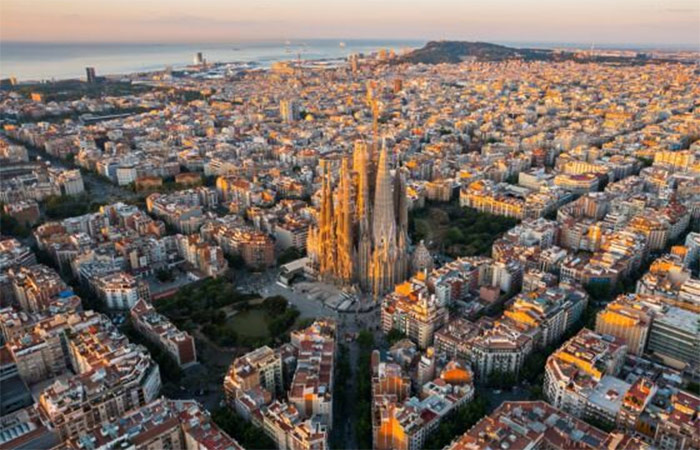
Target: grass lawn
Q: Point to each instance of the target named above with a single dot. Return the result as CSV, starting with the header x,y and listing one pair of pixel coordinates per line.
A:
x,y
251,323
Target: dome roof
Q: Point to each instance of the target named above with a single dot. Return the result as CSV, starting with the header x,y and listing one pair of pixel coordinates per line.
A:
x,y
422,260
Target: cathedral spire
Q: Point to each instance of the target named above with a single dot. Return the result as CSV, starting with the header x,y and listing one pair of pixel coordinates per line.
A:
x,y
344,268
326,236
384,221
360,168
402,223
362,215
384,269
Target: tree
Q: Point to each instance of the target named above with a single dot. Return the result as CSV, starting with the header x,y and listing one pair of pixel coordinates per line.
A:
x,y
247,434
363,404
164,275
536,392
457,423
340,393
600,424
11,227
421,230
169,369
394,336
279,325
275,305
646,162
365,339
454,236
304,323
288,255
461,231
64,206
512,179
534,365
227,336
235,261
501,379
693,387
599,291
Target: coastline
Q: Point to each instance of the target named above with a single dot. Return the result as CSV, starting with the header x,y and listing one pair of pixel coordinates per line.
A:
x,y
134,75
40,62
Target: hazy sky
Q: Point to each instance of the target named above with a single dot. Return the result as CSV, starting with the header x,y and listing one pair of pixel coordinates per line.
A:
x,y
580,21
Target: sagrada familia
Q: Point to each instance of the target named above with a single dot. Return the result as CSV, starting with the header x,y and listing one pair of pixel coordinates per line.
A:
x,y
355,242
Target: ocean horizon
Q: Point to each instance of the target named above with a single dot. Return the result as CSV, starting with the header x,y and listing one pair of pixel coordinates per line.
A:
x,y
41,61
37,61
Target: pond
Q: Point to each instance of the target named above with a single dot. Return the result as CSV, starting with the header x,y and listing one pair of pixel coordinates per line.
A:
x,y
251,323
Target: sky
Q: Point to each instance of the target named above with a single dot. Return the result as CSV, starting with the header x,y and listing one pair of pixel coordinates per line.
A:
x,y
655,22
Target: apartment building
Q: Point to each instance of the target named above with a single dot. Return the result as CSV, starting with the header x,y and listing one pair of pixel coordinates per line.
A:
x,y
119,290
311,390
627,319
413,311
531,424
160,424
35,286
260,368
584,369
290,429
158,329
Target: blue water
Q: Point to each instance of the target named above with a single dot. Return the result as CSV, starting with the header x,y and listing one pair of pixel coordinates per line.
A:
x,y
45,61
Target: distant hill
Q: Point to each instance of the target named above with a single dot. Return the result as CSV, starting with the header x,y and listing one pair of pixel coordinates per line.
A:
x,y
451,52
436,52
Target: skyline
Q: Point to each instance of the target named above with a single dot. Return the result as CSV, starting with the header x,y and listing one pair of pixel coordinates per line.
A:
x,y
627,22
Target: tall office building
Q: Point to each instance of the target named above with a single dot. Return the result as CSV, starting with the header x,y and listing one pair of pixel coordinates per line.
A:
x,y
289,110
353,244
353,59
90,74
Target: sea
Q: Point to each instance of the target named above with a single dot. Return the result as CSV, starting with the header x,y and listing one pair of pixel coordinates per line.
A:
x,y
55,61
39,61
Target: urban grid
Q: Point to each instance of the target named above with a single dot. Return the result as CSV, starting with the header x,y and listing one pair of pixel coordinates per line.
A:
x,y
463,246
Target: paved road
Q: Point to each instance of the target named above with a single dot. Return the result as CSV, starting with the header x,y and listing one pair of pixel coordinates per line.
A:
x,y
349,323
100,190
497,396
307,306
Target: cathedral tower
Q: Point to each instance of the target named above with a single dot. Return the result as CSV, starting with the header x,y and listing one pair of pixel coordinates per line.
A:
x,y
344,224
383,268
362,214
356,241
